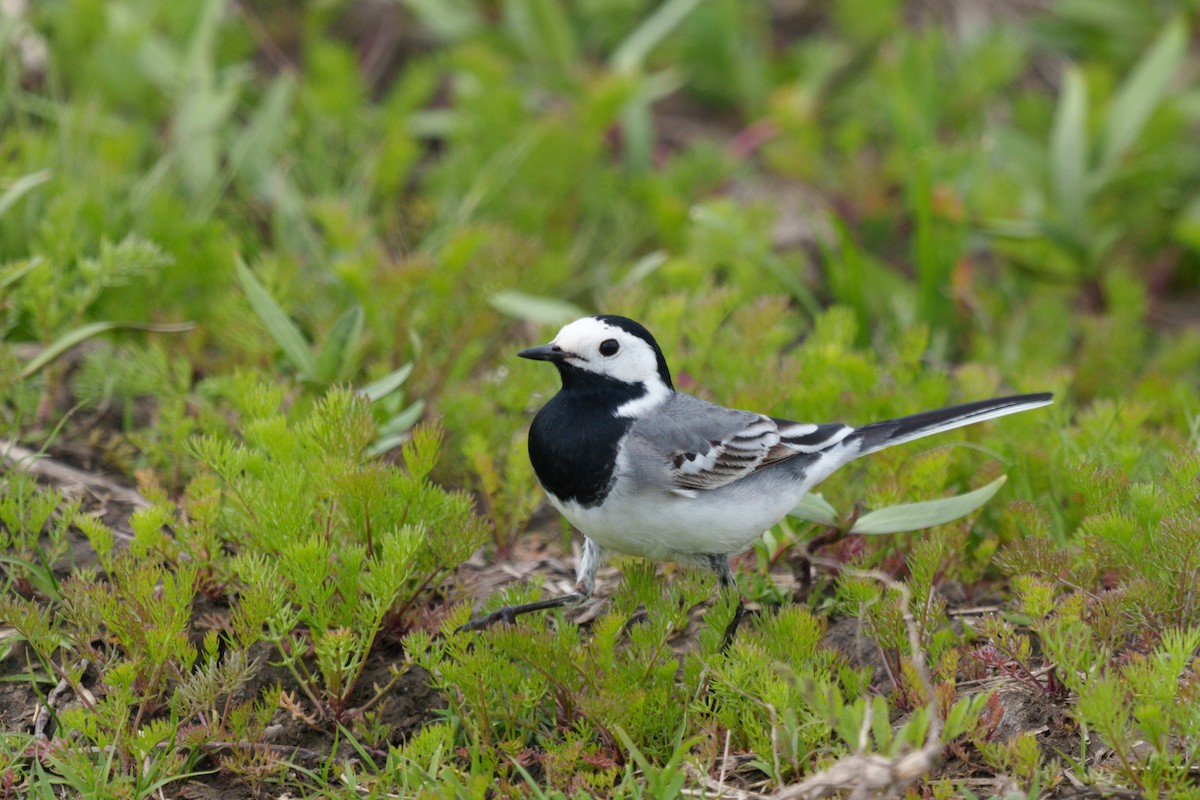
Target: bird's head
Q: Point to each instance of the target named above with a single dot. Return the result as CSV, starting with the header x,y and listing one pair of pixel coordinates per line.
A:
x,y
606,348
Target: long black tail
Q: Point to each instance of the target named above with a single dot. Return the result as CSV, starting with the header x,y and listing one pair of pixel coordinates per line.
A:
x,y
879,435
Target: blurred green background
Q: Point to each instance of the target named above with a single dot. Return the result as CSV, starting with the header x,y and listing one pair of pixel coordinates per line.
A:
x,y
989,194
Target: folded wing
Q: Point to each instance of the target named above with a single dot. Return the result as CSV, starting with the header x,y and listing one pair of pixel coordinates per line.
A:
x,y
708,446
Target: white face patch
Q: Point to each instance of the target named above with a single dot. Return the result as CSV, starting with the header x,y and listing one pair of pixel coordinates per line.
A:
x,y
588,340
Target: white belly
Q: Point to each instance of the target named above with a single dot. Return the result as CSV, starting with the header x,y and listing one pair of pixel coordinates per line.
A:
x,y
666,527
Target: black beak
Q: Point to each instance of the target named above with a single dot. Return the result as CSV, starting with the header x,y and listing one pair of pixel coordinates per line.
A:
x,y
545,352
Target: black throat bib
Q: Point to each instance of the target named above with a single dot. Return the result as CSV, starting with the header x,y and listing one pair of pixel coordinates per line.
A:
x,y
574,438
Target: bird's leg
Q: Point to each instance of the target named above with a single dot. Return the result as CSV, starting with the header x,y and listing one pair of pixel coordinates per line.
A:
x,y
720,565
584,584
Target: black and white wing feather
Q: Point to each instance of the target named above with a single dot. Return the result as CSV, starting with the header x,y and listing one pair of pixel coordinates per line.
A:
x,y
709,446
761,442
706,446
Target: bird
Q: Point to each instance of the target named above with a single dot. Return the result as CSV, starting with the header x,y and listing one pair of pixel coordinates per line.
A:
x,y
642,469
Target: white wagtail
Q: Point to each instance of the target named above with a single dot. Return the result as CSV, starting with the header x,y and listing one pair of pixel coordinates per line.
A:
x,y
644,470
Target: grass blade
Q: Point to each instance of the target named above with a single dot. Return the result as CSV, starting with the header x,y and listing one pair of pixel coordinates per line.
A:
x,y
644,267
334,359
255,151
69,340
20,187
532,308
542,28
1068,152
41,578
1141,93
845,272
631,54
919,516
789,275
278,324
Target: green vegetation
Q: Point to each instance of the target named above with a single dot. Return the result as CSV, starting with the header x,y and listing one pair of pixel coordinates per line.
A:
x,y
269,263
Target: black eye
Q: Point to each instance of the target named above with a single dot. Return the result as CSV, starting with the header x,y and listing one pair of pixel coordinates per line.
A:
x,y
609,347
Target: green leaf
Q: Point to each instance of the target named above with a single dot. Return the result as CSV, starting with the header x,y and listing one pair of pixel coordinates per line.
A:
x,y
637,122
963,715
334,359
815,508
1141,93
403,420
644,267
38,576
69,340
20,187
637,133
449,20
631,54
1068,152
533,308
394,432
207,98
919,516
278,324
377,390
